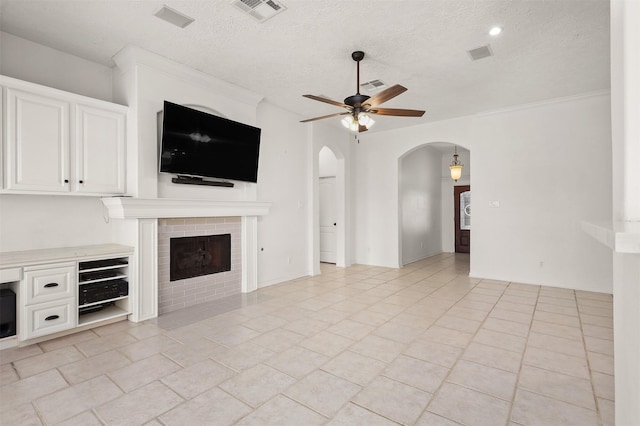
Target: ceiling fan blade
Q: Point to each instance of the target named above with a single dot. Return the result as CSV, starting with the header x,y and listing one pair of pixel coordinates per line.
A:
x,y
385,95
397,112
326,101
325,116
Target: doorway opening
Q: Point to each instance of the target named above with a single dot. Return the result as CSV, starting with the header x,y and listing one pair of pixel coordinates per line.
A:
x,y
328,205
426,214
462,218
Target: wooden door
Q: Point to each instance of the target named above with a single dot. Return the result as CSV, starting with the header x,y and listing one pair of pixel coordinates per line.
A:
x,y
462,217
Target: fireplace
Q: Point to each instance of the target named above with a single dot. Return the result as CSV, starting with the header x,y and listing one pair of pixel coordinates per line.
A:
x,y
156,220
199,260
196,256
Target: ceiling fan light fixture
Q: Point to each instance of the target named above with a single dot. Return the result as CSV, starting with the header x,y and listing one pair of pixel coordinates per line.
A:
x,y
365,120
360,106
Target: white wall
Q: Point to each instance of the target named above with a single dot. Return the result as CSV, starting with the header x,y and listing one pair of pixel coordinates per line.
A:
x,y
549,167
283,172
375,183
144,81
44,221
420,204
282,180
547,164
26,60
35,221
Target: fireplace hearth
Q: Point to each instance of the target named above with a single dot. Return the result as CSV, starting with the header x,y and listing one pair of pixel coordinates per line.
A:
x,y
201,255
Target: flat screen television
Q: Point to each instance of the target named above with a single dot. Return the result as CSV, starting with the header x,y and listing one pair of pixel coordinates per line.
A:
x,y
198,144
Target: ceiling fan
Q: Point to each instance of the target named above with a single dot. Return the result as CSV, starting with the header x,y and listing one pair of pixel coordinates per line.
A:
x,y
359,107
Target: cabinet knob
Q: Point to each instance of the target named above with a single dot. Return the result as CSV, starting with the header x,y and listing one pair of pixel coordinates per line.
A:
x,y
81,181
66,181
52,317
51,285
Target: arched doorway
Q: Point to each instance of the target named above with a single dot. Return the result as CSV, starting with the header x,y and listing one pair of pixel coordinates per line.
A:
x,y
426,218
328,205
330,177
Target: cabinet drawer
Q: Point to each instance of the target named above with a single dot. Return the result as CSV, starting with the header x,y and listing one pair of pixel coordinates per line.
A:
x,y
50,317
45,285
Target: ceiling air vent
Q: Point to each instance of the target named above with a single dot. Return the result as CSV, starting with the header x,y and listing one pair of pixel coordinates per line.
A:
x,y
373,85
480,52
261,10
174,17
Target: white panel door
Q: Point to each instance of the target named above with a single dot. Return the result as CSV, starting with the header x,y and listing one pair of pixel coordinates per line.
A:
x,y
37,142
328,242
100,145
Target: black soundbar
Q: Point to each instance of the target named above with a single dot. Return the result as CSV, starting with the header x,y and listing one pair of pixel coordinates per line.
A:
x,y
190,180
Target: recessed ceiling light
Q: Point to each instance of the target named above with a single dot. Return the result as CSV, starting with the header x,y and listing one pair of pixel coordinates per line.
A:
x,y
495,31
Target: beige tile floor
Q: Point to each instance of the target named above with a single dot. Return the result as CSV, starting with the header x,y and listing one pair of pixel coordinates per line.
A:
x,y
423,345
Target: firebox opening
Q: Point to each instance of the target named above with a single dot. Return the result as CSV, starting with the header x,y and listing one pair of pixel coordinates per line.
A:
x,y
202,255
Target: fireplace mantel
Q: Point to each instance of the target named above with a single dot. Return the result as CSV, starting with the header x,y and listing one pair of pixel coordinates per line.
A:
x,y
153,208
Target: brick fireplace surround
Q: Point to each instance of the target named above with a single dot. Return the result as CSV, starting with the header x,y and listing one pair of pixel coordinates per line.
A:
x,y
187,292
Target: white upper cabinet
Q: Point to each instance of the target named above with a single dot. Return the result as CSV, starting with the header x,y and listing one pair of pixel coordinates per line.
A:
x,y
59,142
37,142
100,145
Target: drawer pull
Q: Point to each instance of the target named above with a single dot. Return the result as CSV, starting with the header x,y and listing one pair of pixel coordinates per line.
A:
x,y
51,285
52,317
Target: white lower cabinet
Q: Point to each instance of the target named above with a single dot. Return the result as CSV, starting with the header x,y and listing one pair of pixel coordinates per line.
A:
x,y
50,317
49,294
50,283
59,290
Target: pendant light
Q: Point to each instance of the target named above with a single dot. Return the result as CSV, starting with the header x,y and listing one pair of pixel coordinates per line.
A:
x,y
456,165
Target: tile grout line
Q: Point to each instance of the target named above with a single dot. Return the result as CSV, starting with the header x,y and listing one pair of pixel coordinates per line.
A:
x,y
586,355
524,351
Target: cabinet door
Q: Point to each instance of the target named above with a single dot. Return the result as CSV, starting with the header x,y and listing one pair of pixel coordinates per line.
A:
x,y
100,145
37,142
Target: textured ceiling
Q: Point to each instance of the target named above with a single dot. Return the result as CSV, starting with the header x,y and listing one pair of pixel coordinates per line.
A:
x,y
548,49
